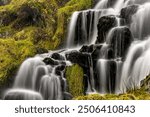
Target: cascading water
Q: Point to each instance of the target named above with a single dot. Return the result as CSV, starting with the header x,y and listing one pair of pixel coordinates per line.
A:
x,y
140,25
102,4
111,44
136,67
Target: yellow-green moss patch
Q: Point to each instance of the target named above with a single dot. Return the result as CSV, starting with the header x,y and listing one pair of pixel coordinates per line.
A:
x,y
74,75
138,94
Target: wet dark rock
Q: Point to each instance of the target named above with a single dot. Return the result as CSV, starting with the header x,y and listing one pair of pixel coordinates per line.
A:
x,y
80,58
110,54
128,12
85,82
104,25
63,84
50,61
86,48
57,56
120,41
96,53
67,96
59,69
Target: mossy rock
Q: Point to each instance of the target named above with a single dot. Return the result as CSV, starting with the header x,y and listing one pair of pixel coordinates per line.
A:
x,y
74,75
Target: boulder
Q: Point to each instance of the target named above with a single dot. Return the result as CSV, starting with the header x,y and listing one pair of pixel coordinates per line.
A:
x,y
104,25
120,40
50,61
80,58
59,69
57,56
110,77
86,48
128,12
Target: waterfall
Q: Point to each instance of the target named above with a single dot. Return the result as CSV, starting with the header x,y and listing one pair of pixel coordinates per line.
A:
x,y
71,31
102,4
111,42
36,80
119,4
136,66
140,22
102,66
26,72
83,26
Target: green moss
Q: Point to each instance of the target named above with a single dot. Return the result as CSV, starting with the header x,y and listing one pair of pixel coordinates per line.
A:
x,y
90,97
64,14
12,54
74,75
30,25
138,94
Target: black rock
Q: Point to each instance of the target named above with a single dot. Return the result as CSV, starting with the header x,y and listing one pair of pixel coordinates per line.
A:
x,y
128,12
120,41
50,61
86,48
104,25
57,56
79,58
59,69
85,82
96,53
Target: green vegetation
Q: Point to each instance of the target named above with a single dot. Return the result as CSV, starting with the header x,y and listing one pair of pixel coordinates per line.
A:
x,y
12,53
74,75
138,94
64,14
29,26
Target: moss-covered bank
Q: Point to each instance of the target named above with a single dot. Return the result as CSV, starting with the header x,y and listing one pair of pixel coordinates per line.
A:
x,y
28,27
138,94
